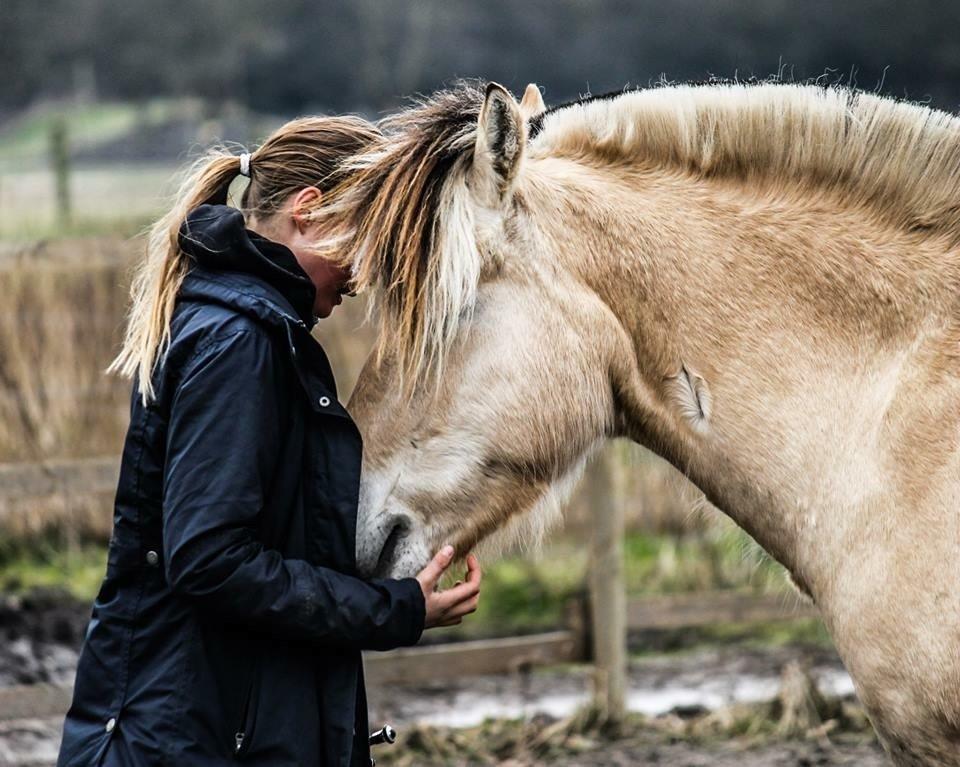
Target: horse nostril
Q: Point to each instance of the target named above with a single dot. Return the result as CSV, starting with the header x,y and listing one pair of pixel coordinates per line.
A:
x,y
390,545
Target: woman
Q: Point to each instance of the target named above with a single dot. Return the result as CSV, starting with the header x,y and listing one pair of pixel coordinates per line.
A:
x,y
231,619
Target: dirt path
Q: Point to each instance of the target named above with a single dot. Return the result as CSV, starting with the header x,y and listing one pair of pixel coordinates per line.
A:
x,y
30,742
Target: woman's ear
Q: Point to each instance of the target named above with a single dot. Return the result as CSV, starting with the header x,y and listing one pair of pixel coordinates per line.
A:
x,y
304,203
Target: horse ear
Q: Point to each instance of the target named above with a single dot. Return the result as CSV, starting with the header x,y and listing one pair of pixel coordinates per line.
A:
x,y
531,105
501,135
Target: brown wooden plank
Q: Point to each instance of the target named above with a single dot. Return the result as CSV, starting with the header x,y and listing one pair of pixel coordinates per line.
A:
x,y
687,611
34,701
69,477
412,665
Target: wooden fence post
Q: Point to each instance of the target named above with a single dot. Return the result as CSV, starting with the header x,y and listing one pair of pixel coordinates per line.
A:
x,y
608,601
60,164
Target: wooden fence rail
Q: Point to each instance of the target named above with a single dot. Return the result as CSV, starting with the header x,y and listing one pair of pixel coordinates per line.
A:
x,y
82,476
707,608
414,665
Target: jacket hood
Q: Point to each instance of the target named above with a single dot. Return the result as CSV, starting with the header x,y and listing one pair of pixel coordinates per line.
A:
x,y
216,239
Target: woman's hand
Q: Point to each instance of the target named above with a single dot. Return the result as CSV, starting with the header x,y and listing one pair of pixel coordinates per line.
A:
x,y
447,608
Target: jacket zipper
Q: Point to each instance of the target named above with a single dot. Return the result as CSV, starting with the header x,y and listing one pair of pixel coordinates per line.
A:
x,y
241,734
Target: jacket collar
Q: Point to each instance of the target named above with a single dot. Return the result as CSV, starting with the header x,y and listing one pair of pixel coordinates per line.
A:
x,y
235,266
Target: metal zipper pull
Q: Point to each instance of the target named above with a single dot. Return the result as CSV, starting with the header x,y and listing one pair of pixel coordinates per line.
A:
x,y
239,739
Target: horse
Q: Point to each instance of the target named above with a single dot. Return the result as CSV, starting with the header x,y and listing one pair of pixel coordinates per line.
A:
x,y
758,282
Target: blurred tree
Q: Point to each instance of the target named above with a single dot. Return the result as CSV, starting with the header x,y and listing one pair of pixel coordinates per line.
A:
x,y
309,55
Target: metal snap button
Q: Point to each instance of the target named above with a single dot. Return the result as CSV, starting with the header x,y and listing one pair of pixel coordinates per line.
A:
x,y
152,558
111,723
324,401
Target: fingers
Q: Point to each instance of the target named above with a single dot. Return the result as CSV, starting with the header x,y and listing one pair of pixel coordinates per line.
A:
x,y
473,570
459,609
455,614
430,574
454,596
465,608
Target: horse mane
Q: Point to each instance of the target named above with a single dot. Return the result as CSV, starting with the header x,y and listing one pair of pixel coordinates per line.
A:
x,y
404,219
895,157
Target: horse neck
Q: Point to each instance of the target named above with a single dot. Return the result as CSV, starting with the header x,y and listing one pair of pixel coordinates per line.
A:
x,y
801,317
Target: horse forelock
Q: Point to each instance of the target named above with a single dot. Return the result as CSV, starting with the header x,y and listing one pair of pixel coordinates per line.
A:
x,y
401,219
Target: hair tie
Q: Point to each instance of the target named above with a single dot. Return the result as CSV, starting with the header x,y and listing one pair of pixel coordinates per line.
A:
x,y
245,164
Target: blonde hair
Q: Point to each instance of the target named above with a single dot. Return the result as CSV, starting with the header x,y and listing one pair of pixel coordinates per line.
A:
x,y
302,153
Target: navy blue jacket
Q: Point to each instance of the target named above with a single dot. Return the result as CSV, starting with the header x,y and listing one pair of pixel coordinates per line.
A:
x,y
231,619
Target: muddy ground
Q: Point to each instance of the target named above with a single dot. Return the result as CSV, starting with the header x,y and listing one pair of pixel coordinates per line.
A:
x,y
690,683
702,707
39,637
33,743
730,755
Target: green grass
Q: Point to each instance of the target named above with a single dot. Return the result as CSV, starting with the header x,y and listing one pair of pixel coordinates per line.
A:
x,y
724,557
79,570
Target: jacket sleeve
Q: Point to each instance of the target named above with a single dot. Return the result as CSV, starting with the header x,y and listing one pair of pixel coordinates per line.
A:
x,y
223,436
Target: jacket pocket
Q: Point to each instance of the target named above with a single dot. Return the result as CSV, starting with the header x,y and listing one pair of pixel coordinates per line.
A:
x,y
246,727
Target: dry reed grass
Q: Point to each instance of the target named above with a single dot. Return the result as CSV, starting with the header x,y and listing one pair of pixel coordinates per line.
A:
x,y
62,310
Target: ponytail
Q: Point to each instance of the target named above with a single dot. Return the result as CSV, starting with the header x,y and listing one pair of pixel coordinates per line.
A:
x,y
155,285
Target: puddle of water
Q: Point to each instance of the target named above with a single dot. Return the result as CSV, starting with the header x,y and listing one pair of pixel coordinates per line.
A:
x,y
469,709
